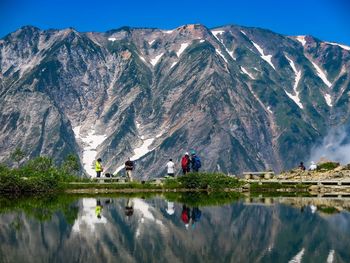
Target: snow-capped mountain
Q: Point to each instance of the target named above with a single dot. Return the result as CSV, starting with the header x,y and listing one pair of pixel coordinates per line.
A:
x,y
243,98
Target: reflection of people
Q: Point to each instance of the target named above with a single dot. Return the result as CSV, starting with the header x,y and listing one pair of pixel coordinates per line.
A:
x,y
196,215
98,209
170,210
129,208
129,166
313,208
186,215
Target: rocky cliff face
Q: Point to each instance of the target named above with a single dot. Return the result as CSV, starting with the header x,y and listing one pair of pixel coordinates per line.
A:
x,y
243,98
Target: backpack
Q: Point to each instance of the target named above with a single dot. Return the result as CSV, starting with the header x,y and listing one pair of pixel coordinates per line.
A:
x,y
184,162
197,162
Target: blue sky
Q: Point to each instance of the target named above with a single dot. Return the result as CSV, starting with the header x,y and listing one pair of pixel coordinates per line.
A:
x,y
325,19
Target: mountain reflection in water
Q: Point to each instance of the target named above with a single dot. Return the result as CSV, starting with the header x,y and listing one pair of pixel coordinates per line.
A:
x,y
157,230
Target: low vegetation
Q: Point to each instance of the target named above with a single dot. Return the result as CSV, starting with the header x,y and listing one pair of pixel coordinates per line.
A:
x,y
43,175
327,166
37,175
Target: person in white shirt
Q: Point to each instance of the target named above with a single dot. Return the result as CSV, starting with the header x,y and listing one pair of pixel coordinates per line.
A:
x,y
313,166
171,167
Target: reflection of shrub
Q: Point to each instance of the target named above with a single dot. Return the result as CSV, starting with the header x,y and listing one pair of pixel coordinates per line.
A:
x,y
328,210
203,198
327,166
41,207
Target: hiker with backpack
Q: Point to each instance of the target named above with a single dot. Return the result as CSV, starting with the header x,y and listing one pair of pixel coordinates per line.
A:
x,y
195,161
185,163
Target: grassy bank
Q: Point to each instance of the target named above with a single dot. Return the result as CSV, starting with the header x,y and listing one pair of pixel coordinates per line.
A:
x,y
38,175
41,175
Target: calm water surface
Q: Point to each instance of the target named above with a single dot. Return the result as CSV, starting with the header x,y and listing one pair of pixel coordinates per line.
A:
x,y
157,230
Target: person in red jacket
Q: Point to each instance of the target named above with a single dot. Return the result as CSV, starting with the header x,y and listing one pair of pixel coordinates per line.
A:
x,y
185,163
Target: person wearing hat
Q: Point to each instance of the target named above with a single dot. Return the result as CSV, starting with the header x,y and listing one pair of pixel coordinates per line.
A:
x,y
195,161
185,163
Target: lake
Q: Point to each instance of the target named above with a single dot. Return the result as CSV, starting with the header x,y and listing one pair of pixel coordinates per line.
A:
x,y
161,229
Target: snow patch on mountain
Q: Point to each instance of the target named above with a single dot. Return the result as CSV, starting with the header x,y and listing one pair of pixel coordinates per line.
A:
x,y
167,31
219,53
219,32
174,63
247,73
151,42
90,144
160,134
230,53
112,39
301,39
297,73
216,33
182,49
322,74
142,58
155,60
340,45
330,258
295,98
142,150
328,99
298,257
139,151
267,58
244,33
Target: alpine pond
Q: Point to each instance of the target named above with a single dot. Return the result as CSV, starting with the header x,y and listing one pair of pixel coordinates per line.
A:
x,y
155,229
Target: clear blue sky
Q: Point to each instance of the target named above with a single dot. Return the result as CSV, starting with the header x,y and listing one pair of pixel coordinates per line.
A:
x,y
325,19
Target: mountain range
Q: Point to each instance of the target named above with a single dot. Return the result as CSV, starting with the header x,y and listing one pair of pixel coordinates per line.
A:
x,y
243,98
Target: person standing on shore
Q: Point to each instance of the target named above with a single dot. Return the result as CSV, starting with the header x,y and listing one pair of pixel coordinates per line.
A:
x,y
171,168
98,167
185,163
301,166
196,162
129,166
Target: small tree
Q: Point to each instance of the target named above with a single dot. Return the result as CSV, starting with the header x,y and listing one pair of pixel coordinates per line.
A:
x,y
71,164
17,156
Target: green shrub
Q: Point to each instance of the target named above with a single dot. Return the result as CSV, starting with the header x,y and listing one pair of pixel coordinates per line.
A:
x,y
328,210
207,181
327,166
37,175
